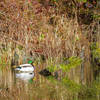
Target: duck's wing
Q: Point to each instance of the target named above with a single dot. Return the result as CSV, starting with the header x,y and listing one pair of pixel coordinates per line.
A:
x,y
18,68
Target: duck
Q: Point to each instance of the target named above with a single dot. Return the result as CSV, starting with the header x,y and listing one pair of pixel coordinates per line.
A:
x,y
25,67
25,76
45,72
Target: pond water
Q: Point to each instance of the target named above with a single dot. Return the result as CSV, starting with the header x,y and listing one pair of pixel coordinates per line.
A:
x,y
33,86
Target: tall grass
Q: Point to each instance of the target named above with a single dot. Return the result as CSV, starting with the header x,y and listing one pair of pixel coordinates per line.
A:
x,y
52,32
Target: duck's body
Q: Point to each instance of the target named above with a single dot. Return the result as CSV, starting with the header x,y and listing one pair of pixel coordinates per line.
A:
x,y
25,76
25,68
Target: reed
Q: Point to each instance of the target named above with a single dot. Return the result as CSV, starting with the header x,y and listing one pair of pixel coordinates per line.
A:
x,y
50,32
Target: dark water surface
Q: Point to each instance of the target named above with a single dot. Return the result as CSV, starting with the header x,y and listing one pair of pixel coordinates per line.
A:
x,y
32,86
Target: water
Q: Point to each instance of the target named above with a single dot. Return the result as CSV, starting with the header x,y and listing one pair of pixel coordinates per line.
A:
x,y
33,86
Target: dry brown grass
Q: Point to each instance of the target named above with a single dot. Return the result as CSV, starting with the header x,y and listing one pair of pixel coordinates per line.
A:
x,y
52,31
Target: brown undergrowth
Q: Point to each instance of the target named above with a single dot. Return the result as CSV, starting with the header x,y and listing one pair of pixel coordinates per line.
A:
x,y
51,30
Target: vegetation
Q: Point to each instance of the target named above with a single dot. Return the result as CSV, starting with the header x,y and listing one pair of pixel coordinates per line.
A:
x,y
59,35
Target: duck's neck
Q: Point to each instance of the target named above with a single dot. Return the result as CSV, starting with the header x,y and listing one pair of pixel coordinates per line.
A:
x,y
32,65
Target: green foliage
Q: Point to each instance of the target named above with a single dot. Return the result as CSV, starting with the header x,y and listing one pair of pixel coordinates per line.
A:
x,y
41,37
73,62
20,47
71,85
77,38
87,91
95,51
3,63
82,0
67,83
97,87
94,46
53,68
0,61
92,90
96,16
52,79
55,0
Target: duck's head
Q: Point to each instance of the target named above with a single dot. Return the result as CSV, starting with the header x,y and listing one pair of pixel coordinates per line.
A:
x,y
31,62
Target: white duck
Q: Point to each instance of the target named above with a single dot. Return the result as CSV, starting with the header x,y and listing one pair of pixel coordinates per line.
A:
x,y
26,67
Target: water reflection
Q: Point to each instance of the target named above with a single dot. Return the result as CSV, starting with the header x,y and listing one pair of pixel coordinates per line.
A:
x,y
24,76
19,86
